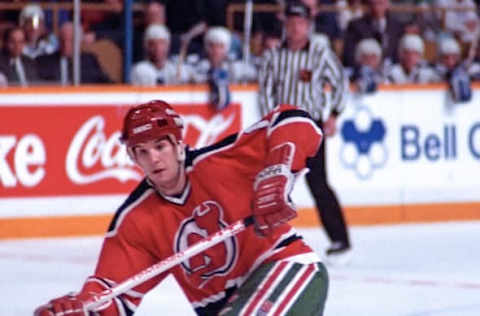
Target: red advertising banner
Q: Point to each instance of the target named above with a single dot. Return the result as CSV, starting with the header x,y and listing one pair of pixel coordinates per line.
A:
x,y
75,150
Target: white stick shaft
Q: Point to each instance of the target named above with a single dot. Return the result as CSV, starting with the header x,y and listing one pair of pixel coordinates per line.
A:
x,y
247,30
164,265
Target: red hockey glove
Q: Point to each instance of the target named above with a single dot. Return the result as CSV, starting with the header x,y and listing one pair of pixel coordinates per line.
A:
x,y
68,305
72,304
271,203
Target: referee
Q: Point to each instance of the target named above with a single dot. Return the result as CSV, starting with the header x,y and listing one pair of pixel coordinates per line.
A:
x,y
297,73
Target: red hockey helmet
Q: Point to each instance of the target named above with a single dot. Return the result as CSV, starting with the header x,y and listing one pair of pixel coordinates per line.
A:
x,y
150,121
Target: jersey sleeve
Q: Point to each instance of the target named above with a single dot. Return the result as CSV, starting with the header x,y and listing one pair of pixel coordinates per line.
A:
x,y
122,256
292,124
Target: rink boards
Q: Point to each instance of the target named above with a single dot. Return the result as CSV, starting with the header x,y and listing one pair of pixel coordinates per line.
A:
x,y
402,155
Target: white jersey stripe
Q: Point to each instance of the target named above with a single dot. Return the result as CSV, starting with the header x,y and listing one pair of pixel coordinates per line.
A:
x,y
266,287
293,290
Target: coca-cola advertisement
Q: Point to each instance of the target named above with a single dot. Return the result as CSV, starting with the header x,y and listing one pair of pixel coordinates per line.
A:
x,y
75,150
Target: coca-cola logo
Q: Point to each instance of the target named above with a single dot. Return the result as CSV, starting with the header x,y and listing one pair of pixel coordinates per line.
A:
x,y
90,146
210,130
93,156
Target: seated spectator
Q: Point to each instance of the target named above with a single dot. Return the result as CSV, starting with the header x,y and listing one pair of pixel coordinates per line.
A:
x,y
348,10
411,67
154,13
217,44
38,40
377,23
367,73
460,19
157,68
57,68
218,70
17,68
452,70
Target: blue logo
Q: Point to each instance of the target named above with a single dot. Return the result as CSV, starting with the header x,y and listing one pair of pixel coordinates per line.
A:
x,y
363,149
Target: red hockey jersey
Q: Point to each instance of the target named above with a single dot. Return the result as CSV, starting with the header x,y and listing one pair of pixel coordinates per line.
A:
x,y
149,227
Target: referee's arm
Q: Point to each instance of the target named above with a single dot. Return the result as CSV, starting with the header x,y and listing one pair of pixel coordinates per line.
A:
x,y
334,73
266,84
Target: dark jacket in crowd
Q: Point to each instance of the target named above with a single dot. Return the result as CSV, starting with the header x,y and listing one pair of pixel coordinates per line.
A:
x,y
29,66
91,72
363,28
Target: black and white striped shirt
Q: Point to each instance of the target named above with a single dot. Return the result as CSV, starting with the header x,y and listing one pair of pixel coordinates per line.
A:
x,y
299,78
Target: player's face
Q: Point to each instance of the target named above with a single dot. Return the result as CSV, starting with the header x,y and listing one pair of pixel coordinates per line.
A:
x,y
160,163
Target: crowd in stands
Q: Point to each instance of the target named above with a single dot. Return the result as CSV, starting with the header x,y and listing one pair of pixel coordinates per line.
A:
x,y
184,41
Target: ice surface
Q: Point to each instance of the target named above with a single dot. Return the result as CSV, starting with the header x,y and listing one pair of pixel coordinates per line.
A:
x,y
408,270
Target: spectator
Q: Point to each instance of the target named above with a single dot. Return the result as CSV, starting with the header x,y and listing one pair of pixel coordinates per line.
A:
x,y
217,45
367,73
57,68
157,68
154,14
348,10
56,16
38,40
411,68
453,71
17,68
449,56
218,70
377,23
460,19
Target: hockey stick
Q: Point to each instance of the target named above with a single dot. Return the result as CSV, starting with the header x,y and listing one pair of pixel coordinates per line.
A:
x,y
472,52
164,265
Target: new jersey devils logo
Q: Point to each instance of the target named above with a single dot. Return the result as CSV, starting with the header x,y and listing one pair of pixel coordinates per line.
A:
x,y
218,260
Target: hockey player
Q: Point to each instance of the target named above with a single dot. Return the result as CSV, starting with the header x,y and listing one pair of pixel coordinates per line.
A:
x,y
189,194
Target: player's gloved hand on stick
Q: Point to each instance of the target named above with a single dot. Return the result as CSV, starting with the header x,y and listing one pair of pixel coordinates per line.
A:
x,y
68,305
271,202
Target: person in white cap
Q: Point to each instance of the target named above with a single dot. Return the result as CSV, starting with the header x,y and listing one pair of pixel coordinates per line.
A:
x,y
218,70
38,40
449,56
157,68
217,41
367,73
412,68
452,70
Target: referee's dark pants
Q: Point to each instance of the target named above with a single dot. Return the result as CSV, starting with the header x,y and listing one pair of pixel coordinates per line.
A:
x,y
328,207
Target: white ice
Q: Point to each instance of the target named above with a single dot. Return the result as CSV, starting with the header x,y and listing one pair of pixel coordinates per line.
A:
x,y
407,270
